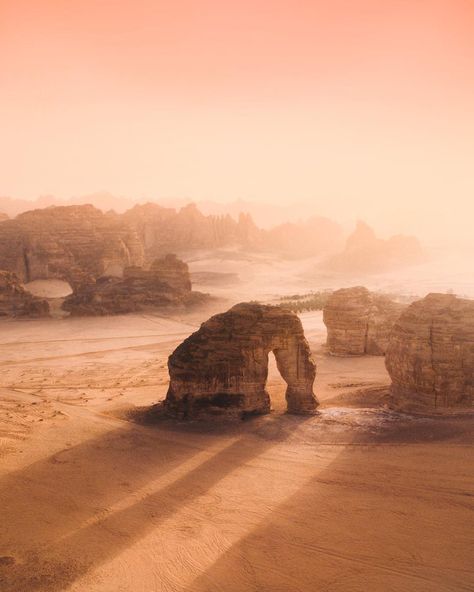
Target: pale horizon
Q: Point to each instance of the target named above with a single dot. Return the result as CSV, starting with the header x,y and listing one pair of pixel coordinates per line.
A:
x,y
357,109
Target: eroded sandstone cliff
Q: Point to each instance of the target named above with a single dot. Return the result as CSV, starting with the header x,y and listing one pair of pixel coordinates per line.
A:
x,y
222,368
359,322
15,301
430,357
67,243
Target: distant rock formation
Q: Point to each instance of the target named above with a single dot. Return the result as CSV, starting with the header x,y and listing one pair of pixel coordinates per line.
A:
x,y
15,301
316,236
221,369
3,217
430,357
359,322
67,243
365,253
77,242
164,230
165,283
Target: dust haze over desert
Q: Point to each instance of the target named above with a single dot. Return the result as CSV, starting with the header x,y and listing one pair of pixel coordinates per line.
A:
x,y
236,296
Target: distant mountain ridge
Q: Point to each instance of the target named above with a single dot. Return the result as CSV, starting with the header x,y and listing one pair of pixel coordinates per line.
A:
x,y
45,242
66,242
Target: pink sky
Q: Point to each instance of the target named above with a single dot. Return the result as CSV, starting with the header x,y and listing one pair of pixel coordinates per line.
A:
x,y
362,107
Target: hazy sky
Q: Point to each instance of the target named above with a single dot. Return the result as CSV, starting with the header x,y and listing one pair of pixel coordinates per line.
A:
x,y
364,107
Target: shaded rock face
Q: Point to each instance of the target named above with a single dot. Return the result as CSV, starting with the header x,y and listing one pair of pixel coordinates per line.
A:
x,y
365,253
68,243
165,283
430,357
16,301
359,322
222,368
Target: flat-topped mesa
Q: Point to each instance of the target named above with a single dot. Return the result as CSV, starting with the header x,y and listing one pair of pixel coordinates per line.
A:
x,y
165,283
359,322
15,301
221,369
430,357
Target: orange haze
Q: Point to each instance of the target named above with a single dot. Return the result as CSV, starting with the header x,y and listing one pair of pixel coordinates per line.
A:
x,y
364,108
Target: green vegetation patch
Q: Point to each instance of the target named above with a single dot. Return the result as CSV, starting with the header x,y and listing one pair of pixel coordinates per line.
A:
x,y
305,302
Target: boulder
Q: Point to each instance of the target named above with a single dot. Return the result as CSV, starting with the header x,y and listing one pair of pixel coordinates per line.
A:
x,y
359,322
221,369
430,357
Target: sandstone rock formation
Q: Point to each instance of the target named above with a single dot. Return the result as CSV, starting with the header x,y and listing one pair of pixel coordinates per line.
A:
x,y
16,301
430,357
165,283
222,368
365,253
67,243
359,322
163,230
78,242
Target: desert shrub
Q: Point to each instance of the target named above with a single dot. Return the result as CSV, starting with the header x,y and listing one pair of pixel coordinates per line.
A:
x,y
305,302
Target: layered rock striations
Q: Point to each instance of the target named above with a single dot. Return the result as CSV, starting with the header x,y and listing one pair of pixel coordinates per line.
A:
x,y
359,322
365,253
68,243
222,368
165,283
15,301
430,357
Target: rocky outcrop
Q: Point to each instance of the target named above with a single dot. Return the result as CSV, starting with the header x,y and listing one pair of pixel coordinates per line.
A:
x,y
359,322
365,253
68,243
15,301
430,357
165,283
222,368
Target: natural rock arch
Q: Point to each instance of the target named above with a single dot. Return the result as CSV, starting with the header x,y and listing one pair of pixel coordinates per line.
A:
x,y
222,368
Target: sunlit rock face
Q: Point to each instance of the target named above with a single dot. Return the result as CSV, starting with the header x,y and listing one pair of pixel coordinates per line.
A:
x,y
359,322
430,357
67,243
15,301
165,283
221,369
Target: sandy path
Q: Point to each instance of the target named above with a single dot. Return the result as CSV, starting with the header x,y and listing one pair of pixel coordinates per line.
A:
x,y
357,498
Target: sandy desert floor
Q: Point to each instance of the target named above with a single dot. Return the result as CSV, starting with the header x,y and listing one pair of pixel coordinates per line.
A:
x,y
97,496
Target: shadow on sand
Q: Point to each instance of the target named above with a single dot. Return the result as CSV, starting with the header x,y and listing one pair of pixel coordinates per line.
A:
x,y
61,511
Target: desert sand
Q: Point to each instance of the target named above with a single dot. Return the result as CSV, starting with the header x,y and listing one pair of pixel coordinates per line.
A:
x,y
98,495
